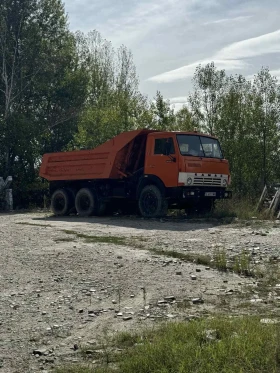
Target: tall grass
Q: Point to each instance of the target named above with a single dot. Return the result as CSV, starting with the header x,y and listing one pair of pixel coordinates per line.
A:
x,y
228,345
243,209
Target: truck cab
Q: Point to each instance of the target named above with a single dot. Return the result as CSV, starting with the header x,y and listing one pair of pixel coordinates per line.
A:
x,y
191,167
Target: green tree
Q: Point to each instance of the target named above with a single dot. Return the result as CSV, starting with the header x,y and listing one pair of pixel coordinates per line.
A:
x,y
209,85
163,113
41,85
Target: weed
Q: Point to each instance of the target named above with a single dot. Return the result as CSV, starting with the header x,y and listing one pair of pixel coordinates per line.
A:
x,y
220,260
242,264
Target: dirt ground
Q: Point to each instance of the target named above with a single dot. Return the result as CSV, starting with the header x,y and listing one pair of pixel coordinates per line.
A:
x,y
67,282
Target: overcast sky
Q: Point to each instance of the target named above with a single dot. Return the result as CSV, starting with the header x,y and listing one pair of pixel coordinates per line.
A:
x,y
169,38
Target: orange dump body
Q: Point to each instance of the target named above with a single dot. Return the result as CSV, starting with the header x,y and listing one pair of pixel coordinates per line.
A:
x,y
115,159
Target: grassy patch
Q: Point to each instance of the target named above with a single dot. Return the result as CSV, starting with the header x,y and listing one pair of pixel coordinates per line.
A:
x,y
82,368
116,240
34,224
229,345
64,239
243,209
187,257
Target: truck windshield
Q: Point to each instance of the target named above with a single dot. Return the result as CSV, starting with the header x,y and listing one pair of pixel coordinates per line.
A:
x,y
199,146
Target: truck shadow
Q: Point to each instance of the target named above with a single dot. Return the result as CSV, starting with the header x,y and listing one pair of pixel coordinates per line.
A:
x,y
136,222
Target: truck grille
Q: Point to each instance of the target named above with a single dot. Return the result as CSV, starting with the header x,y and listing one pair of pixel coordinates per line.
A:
x,y
206,180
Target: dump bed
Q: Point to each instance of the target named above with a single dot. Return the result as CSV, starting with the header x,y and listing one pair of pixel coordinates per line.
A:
x,y
117,158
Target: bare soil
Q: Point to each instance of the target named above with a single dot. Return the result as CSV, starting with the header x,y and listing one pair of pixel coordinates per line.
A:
x,y
67,282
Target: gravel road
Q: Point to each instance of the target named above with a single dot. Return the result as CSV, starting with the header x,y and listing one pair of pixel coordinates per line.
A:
x,y
67,281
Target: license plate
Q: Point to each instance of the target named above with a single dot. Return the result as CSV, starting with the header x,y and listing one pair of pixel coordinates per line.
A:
x,y
210,194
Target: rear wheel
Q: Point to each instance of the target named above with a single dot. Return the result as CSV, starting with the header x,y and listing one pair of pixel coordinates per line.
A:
x,y
61,202
152,204
87,203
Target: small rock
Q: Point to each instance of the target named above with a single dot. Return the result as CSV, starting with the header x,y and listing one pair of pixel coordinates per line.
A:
x,y
170,316
198,270
193,277
169,298
179,273
126,318
40,352
269,321
197,301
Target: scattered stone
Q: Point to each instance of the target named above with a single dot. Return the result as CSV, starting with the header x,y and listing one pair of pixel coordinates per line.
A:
x,y
197,301
269,321
170,316
169,298
40,352
126,318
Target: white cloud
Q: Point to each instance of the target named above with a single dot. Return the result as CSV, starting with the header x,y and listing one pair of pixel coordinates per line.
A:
x,y
188,71
142,20
264,44
178,100
227,20
229,57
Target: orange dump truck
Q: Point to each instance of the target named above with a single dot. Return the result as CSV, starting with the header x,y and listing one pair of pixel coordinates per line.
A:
x,y
146,170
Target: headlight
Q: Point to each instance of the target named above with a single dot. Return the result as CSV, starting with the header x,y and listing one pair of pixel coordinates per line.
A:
x,y
189,181
224,182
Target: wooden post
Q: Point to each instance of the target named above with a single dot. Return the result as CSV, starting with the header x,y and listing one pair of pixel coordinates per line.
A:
x,y
263,196
275,205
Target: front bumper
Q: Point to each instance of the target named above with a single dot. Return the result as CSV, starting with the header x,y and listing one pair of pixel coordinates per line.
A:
x,y
198,193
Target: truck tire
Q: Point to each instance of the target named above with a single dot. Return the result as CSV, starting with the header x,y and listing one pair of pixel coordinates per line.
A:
x,y
61,202
87,203
151,203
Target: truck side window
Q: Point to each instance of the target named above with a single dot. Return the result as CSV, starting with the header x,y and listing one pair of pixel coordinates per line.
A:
x,y
160,145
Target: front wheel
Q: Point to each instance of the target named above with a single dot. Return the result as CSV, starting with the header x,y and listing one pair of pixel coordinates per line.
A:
x,y
151,203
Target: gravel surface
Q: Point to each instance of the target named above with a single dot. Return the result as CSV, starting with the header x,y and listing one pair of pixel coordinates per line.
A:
x,y
67,281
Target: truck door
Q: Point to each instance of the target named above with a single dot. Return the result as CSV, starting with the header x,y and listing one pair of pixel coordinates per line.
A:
x,y
157,161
